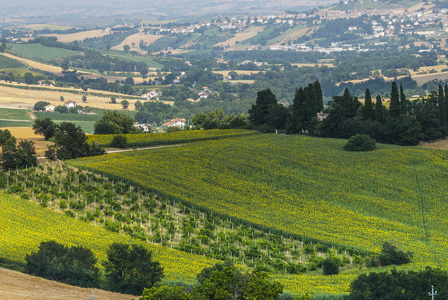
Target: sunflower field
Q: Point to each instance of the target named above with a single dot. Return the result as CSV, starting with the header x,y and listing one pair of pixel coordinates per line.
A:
x,y
309,187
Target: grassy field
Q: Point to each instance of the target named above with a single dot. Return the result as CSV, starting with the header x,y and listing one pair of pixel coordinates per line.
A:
x,y
310,187
4,124
68,117
6,63
25,225
14,114
40,52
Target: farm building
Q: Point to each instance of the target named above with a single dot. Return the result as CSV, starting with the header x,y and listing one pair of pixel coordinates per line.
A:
x,y
49,108
175,122
70,103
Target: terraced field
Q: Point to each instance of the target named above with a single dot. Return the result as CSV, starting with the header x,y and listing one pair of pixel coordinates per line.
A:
x,y
309,187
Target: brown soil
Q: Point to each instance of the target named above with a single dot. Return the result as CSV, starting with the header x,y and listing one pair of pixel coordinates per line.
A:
x,y
15,285
440,144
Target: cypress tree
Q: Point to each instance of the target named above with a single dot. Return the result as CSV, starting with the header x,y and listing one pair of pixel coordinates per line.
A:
x,y
442,105
319,96
446,102
310,104
379,110
394,109
369,114
259,112
403,103
298,111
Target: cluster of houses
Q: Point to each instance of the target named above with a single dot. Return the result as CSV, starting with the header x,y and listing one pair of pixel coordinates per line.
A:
x,y
68,104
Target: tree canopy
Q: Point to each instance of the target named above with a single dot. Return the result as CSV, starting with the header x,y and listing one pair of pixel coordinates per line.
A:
x,y
113,122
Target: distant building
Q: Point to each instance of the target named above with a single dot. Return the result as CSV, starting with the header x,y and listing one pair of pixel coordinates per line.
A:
x,y
143,127
70,104
175,122
49,108
203,95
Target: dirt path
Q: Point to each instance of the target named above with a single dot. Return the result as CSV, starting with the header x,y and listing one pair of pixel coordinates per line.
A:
x,y
115,150
15,285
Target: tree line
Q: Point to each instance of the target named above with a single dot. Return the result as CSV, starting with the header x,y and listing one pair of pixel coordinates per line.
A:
x,y
404,122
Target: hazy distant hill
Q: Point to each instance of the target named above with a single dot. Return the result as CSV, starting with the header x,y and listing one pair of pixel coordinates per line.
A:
x,y
84,13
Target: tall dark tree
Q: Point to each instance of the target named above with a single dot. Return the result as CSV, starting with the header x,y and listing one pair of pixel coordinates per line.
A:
x,y
446,102
369,113
394,109
71,142
131,268
442,105
45,127
380,115
403,101
319,96
259,112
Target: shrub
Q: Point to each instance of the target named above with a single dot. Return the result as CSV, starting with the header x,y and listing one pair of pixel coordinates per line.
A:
x,y
360,142
330,266
119,141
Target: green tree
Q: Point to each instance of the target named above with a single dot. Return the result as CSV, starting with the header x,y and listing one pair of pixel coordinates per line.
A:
x,y
403,101
71,142
131,268
29,78
129,80
113,100
125,104
330,266
380,111
61,98
40,105
73,265
394,108
45,127
442,105
126,48
399,285
259,112
113,122
360,142
369,113
84,98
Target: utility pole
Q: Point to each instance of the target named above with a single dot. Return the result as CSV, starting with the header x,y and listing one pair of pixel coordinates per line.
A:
x,y
93,297
432,293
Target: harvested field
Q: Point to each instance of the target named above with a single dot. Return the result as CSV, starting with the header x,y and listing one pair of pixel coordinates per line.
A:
x,y
47,26
424,78
37,65
135,39
295,35
79,36
11,97
27,133
241,36
239,72
15,285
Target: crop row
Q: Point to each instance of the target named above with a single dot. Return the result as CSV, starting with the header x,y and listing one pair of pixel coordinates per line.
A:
x,y
120,207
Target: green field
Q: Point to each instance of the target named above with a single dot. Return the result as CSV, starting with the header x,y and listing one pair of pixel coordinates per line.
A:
x,y
68,117
129,57
14,114
25,225
6,63
40,52
306,186
178,137
15,124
